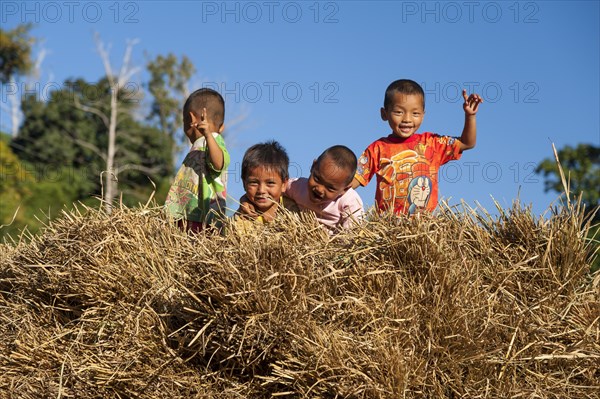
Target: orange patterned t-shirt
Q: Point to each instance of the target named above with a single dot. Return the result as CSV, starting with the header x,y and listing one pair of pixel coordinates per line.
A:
x,y
407,170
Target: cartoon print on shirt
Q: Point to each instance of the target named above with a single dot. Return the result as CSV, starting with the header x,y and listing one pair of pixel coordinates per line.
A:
x,y
419,190
395,174
363,166
401,173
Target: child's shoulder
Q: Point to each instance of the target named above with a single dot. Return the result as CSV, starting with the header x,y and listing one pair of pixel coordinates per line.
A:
x,y
296,182
351,195
383,140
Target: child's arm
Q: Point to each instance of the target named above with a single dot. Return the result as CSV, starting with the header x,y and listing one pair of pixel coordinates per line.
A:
x,y
468,138
217,159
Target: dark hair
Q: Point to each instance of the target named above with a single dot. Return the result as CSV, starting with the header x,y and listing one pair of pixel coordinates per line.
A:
x,y
404,86
271,155
343,157
209,99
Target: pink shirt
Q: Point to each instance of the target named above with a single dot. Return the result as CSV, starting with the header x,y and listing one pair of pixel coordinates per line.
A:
x,y
341,213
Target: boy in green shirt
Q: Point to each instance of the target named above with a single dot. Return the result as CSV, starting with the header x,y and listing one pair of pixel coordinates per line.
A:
x,y
197,197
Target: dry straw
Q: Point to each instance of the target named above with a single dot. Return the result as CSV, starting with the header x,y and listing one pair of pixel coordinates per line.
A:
x,y
458,305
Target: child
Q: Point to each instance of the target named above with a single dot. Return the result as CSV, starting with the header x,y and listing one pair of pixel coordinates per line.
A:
x,y
407,163
327,192
197,195
265,177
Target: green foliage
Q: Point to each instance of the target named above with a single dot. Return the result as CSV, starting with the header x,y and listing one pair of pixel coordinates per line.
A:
x,y
168,87
31,194
581,166
15,186
15,52
144,155
57,135
60,151
594,239
62,146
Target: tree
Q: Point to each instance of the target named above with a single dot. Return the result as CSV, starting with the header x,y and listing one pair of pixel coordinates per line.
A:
x,y
15,52
74,134
18,64
14,187
48,140
581,167
168,86
65,146
112,119
117,83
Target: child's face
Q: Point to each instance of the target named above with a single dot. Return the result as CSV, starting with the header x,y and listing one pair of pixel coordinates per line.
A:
x,y
327,181
404,114
264,187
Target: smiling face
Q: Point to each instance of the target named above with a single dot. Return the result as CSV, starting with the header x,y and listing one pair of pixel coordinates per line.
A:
x,y
404,114
327,181
264,187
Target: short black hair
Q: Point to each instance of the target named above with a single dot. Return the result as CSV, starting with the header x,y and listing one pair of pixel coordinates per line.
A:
x,y
209,99
271,155
343,157
404,86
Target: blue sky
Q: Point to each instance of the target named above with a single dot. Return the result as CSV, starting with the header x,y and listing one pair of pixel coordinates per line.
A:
x,y
313,74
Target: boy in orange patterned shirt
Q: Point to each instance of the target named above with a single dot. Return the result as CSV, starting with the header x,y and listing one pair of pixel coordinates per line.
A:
x,y
407,163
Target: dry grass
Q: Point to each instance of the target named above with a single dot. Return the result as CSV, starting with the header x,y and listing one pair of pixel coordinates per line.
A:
x,y
462,305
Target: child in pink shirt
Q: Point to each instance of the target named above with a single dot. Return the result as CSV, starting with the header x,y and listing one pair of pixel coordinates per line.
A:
x,y
327,191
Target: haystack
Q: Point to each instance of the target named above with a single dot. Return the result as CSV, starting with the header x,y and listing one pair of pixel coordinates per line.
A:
x,y
457,305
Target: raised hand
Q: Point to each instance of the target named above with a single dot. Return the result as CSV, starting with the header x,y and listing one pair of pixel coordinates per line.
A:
x,y
201,125
471,103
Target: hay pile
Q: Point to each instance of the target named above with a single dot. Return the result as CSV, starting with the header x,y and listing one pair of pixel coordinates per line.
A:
x,y
458,306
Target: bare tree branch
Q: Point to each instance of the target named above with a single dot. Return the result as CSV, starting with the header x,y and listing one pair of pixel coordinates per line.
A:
x,y
13,111
16,116
139,168
126,71
90,146
37,67
92,110
104,57
115,87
